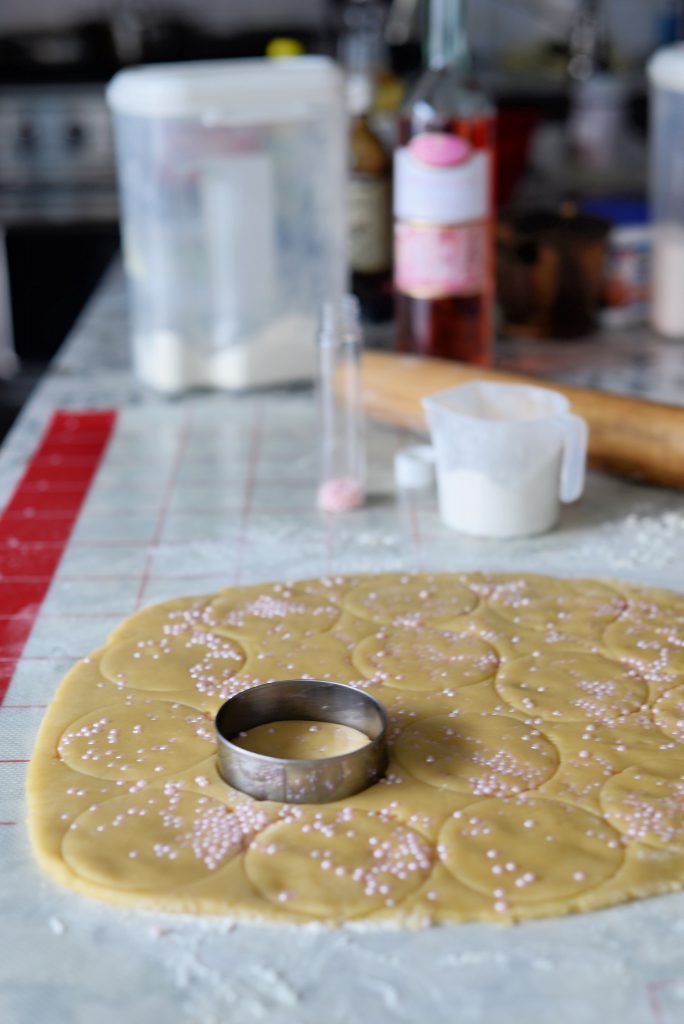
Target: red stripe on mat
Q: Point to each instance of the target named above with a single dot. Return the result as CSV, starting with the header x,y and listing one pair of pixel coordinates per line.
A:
x,y
32,537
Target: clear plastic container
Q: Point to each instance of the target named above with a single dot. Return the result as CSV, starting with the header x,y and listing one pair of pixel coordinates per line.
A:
x,y
231,178
505,455
666,76
341,424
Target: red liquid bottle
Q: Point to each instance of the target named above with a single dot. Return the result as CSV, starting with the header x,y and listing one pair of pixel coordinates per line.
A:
x,y
444,203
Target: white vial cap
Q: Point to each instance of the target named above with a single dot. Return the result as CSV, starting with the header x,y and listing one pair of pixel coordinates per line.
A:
x,y
665,69
414,467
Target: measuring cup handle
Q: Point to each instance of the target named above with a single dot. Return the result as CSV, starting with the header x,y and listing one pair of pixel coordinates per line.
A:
x,y
574,458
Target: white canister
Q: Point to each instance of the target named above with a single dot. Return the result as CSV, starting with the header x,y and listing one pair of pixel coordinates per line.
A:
x,y
231,176
666,76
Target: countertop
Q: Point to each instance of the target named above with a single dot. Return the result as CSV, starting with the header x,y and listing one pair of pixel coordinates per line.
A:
x,y
210,490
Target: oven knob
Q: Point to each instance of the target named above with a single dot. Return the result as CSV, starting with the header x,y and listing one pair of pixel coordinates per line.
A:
x,y
74,135
26,137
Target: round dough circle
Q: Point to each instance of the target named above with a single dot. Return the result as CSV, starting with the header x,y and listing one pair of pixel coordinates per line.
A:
x,y
197,661
274,610
572,687
156,839
143,739
580,607
668,713
529,850
409,601
317,657
346,863
298,739
443,659
181,616
646,802
650,635
485,755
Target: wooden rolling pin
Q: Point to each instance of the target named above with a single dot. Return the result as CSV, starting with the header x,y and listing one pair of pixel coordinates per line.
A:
x,y
627,436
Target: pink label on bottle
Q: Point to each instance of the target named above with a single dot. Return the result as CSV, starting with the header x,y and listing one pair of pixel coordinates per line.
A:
x,y
437,261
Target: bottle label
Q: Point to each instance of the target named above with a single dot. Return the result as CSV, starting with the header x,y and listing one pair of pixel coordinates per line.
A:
x,y
439,182
435,261
443,217
370,233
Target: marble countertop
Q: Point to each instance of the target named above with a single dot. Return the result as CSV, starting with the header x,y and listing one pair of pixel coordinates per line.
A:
x,y
238,476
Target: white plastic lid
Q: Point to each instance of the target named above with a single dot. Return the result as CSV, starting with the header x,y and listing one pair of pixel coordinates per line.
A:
x,y
253,89
414,467
447,195
666,68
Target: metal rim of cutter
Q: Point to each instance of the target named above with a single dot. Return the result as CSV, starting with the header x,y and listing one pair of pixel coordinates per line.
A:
x,y
301,780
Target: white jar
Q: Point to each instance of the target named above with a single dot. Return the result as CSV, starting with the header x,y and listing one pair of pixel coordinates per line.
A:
x,y
666,76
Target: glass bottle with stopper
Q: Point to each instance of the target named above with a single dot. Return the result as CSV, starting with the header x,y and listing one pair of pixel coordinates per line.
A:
x,y
444,201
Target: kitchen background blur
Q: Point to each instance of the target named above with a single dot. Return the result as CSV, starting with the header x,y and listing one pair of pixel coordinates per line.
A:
x,y
567,77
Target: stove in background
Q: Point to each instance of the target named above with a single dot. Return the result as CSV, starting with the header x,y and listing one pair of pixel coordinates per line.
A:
x,y
58,205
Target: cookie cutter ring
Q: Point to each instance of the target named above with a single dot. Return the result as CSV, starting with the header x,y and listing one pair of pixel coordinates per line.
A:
x,y
305,780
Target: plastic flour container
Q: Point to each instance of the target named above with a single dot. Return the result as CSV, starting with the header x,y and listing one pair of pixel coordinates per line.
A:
x,y
231,178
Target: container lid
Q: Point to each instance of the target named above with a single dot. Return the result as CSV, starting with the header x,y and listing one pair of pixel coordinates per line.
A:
x,y
249,90
666,68
414,467
619,209
284,46
359,90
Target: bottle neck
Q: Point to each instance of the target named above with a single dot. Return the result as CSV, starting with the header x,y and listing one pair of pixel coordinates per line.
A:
x,y
447,36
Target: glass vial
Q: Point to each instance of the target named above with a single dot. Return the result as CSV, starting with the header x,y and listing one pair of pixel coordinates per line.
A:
x,y
341,424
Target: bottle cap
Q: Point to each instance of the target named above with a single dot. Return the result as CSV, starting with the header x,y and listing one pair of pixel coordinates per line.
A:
x,y
414,467
284,46
453,193
359,88
665,69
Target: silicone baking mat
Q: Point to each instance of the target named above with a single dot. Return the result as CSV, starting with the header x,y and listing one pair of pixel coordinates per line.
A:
x,y
118,510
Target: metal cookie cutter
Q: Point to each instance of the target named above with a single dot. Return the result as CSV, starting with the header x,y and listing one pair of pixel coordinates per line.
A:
x,y
310,780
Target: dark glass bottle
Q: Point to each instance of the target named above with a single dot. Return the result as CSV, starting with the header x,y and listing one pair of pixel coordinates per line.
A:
x,y
369,206
361,51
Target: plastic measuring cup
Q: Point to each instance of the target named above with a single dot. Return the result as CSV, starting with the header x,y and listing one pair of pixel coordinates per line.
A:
x,y
506,455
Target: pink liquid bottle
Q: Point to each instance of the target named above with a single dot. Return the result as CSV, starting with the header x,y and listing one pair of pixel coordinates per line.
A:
x,y
444,202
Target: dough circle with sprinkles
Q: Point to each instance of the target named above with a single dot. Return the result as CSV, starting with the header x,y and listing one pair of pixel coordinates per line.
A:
x,y
536,742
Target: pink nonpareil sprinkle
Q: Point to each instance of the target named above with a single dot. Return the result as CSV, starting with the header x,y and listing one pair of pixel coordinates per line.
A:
x,y
340,495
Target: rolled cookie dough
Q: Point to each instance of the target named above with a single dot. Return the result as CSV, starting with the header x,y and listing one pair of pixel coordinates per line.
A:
x,y
536,753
